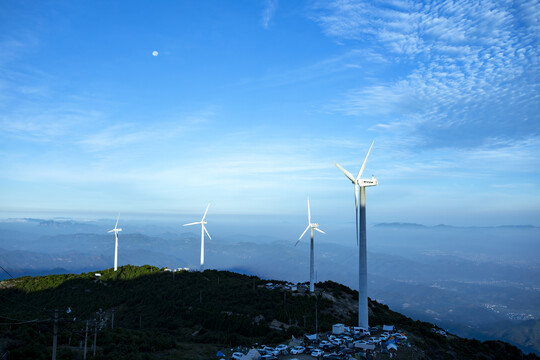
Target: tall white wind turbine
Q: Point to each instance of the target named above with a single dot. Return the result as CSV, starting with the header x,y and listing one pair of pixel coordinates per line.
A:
x,y
203,230
116,230
360,204
313,226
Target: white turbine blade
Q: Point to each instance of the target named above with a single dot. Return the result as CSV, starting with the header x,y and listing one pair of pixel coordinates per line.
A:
x,y
117,220
206,231
364,164
111,230
205,212
118,230
319,230
347,174
304,231
297,241
308,212
195,223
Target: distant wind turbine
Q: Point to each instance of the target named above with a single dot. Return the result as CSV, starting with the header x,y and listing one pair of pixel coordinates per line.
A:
x,y
313,226
360,199
203,230
116,230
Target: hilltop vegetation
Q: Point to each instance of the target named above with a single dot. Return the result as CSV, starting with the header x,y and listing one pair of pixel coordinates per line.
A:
x,y
191,315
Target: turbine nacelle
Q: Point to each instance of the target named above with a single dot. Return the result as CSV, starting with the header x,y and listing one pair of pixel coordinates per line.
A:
x,y
367,182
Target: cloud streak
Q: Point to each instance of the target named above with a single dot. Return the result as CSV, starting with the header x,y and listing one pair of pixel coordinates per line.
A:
x,y
268,13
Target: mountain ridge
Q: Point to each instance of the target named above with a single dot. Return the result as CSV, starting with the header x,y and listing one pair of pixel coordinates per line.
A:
x,y
200,310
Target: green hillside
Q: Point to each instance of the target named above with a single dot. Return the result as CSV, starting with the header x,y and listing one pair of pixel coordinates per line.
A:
x,y
191,315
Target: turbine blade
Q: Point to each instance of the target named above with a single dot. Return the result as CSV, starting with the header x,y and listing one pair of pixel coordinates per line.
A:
x,y
347,174
304,232
205,212
297,241
308,212
110,231
206,231
364,164
118,229
319,230
195,223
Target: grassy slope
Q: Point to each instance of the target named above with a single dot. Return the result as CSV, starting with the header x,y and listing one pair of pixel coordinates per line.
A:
x,y
193,315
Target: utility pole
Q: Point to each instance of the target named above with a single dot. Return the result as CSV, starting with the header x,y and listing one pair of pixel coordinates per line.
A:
x,y
95,338
85,340
55,334
200,296
316,319
112,319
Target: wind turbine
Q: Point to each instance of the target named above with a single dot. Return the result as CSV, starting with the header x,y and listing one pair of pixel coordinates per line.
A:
x,y
203,230
313,226
360,199
116,230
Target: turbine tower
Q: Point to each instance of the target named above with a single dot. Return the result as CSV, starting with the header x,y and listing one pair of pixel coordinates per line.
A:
x,y
313,226
203,230
360,199
116,230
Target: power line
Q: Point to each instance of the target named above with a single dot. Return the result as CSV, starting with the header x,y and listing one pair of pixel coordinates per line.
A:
x,y
24,322
6,272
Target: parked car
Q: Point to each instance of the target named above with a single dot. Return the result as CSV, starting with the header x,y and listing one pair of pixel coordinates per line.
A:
x,y
385,336
317,352
237,356
347,351
297,350
268,357
332,356
280,349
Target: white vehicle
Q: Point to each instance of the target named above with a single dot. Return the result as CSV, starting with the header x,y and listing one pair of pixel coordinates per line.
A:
x,y
361,331
297,350
347,338
325,343
336,341
237,356
385,336
280,349
374,340
317,352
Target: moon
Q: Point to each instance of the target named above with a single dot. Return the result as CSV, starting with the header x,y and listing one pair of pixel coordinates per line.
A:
x,y
155,53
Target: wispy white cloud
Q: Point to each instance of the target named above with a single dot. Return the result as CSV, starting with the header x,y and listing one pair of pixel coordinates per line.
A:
x,y
268,13
471,66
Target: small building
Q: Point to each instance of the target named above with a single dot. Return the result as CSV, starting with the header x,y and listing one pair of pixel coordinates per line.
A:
x,y
338,329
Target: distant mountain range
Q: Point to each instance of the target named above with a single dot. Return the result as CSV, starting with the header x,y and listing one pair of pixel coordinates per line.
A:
x,y
400,225
477,282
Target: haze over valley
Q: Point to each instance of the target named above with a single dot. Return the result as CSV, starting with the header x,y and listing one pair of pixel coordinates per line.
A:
x,y
472,280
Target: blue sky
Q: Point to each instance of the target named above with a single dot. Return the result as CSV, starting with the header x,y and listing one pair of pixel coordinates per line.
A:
x,y
248,103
